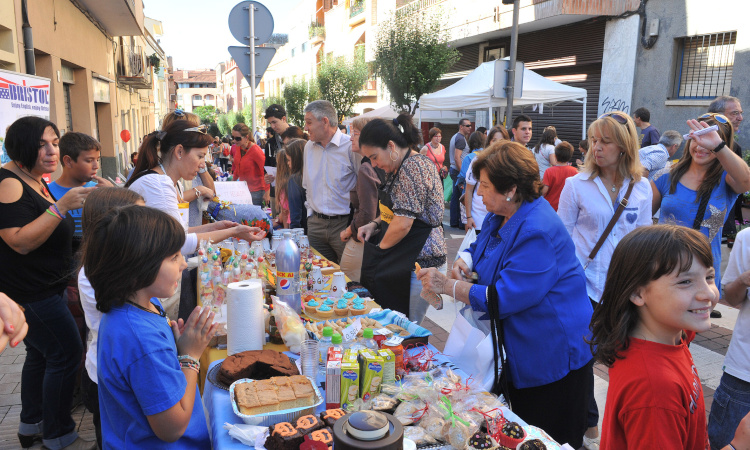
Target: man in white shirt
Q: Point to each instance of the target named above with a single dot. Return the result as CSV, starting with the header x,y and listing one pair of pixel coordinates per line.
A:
x,y
329,174
732,397
655,157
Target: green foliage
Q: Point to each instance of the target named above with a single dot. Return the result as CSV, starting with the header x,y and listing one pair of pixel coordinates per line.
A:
x,y
412,54
207,114
238,118
213,130
340,82
296,95
316,29
223,124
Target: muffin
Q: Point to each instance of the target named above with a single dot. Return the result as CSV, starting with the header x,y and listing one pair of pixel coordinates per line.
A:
x,y
357,309
350,297
341,308
325,311
311,306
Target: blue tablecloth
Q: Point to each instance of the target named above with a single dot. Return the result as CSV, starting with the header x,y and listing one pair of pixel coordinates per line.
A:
x,y
219,410
236,213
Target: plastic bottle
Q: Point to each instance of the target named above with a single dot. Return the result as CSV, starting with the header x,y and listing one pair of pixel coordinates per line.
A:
x,y
287,273
324,344
336,343
367,340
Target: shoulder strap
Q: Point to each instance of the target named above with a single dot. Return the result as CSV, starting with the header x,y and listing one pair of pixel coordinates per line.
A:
x,y
500,382
611,224
701,210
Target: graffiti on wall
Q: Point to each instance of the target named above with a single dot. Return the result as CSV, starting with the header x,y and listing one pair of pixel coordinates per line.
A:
x,y
614,104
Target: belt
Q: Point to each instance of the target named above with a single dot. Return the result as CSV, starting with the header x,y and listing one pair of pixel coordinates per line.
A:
x,y
323,216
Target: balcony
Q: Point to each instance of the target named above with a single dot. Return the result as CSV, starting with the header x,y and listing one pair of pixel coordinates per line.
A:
x,y
369,89
317,32
118,17
356,12
133,69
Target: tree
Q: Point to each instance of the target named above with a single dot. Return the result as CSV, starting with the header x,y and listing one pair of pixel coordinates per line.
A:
x,y
340,82
412,54
296,95
207,114
223,123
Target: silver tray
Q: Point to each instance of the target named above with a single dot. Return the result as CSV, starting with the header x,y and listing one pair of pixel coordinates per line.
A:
x,y
274,417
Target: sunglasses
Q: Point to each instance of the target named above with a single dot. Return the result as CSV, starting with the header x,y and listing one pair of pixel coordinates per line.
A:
x,y
237,138
200,129
718,117
617,116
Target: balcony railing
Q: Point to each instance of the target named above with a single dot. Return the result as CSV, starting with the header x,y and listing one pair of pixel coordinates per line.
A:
x,y
356,8
133,69
317,31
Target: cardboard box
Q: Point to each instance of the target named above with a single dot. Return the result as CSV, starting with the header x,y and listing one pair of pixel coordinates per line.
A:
x,y
389,366
371,373
333,380
349,383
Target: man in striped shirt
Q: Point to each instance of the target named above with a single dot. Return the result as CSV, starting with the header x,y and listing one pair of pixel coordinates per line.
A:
x,y
656,157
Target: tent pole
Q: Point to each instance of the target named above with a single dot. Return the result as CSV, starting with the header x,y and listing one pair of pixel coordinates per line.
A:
x,y
419,123
583,131
489,118
509,92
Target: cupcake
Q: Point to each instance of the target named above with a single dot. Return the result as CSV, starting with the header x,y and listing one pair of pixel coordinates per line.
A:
x,y
511,435
325,311
357,309
329,302
360,301
311,306
341,308
481,440
534,444
350,296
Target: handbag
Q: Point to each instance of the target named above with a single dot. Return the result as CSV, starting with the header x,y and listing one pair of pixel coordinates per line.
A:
x,y
610,225
468,345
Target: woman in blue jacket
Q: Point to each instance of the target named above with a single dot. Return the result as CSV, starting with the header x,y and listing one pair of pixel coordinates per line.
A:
x,y
524,258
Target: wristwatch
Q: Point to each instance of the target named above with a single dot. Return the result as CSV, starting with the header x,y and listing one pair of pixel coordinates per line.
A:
x,y
718,148
203,170
197,193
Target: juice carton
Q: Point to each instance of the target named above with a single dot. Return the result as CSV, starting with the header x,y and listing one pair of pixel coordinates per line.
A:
x,y
333,380
371,365
389,366
349,383
350,356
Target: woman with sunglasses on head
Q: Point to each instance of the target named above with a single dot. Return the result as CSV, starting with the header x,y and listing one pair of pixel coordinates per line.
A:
x,y
590,203
248,162
702,187
183,150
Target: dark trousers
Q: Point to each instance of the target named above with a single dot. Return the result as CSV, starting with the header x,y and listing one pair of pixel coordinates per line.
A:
x,y
559,408
593,416
324,236
48,378
90,391
224,162
455,213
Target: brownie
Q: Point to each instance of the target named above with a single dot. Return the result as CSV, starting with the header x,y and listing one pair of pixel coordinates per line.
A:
x,y
283,436
330,416
309,423
256,365
324,435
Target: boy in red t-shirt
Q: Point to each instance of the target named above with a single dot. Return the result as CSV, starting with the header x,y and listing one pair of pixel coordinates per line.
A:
x,y
554,177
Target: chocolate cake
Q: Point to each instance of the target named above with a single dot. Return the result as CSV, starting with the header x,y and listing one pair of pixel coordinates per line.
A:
x,y
330,416
257,365
283,436
309,423
481,441
534,444
325,436
513,430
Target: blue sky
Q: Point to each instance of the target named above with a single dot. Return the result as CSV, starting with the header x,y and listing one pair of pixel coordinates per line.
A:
x,y
196,34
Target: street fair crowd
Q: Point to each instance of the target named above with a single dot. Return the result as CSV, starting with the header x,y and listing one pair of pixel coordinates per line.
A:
x,y
295,320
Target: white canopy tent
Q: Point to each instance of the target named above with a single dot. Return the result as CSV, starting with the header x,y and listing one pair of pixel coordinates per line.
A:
x,y
387,112
475,92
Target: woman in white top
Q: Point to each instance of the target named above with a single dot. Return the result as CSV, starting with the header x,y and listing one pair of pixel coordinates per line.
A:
x,y
589,200
545,150
183,148
476,210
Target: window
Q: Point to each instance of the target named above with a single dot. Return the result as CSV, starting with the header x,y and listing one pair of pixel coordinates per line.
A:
x,y
493,53
704,65
68,111
209,97
197,97
304,47
294,50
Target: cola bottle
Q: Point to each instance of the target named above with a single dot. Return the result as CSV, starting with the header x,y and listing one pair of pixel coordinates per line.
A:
x,y
287,273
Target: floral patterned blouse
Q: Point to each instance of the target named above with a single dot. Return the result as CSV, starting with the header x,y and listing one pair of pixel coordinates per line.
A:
x,y
417,193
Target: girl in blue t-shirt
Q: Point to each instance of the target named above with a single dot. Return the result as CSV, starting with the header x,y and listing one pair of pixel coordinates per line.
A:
x,y
705,182
147,365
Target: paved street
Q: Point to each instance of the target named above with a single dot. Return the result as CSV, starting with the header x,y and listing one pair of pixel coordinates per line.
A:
x,y
708,351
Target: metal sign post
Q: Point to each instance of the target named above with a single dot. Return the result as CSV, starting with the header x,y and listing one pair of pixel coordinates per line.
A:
x,y
251,16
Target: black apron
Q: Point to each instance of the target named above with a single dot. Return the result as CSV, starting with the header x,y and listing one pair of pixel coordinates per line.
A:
x,y
386,273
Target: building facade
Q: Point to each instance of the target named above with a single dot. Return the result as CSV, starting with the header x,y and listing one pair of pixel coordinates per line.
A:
x,y
195,88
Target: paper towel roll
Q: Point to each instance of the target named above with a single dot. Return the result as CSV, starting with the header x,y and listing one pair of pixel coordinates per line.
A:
x,y
245,330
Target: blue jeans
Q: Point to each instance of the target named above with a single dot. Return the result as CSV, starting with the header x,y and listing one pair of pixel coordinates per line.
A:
x,y
731,403
48,378
455,213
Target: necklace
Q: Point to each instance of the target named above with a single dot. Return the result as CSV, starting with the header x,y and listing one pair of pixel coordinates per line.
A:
x,y
176,185
161,313
614,187
45,192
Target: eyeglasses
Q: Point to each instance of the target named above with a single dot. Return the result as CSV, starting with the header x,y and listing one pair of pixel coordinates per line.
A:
x,y
718,117
620,118
179,113
237,138
200,129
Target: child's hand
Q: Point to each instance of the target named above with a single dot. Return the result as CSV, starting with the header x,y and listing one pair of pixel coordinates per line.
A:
x,y
195,334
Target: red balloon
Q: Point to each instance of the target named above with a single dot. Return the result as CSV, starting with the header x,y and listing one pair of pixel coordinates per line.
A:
x,y
125,135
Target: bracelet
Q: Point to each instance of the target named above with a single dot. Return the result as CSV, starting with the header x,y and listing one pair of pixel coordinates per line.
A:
x,y
189,358
718,148
454,289
49,211
197,193
185,365
202,170
56,210
378,225
732,446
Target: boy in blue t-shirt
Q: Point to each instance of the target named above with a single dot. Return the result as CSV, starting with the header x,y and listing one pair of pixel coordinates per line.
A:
x,y
79,155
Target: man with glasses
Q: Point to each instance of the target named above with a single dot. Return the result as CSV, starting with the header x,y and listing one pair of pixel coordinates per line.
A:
x,y
457,147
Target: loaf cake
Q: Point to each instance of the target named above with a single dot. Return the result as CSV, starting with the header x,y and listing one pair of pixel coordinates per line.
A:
x,y
257,365
276,394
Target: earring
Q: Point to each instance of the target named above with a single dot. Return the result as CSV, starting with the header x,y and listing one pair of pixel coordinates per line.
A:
x,y
392,158
507,199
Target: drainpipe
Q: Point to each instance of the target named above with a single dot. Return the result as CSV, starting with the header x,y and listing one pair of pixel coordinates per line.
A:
x,y
28,40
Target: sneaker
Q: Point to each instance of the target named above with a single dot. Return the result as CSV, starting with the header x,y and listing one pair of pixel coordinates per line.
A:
x,y
81,444
590,443
715,314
